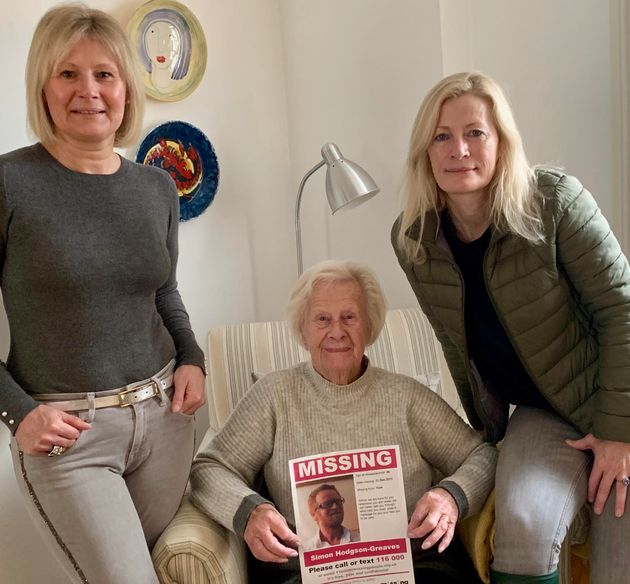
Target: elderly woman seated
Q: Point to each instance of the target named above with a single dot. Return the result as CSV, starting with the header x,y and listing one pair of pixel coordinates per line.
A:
x,y
339,401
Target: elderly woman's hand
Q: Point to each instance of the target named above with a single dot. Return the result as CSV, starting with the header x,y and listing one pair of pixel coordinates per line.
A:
x,y
611,466
189,393
267,532
434,518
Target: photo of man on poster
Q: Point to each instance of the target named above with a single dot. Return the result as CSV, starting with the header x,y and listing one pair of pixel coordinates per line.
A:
x,y
326,506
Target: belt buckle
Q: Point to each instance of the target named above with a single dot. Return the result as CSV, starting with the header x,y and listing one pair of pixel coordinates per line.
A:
x,y
123,396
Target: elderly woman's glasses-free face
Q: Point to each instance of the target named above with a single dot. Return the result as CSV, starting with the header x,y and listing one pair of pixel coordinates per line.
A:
x,y
327,505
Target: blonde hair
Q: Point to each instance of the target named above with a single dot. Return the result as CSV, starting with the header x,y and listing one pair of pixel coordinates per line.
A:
x,y
337,271
57,32
514,204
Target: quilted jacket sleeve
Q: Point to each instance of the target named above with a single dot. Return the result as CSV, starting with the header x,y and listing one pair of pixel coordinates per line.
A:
x,y
599,273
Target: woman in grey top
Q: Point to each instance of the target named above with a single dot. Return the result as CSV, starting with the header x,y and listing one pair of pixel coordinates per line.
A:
x,y
103,372
339,401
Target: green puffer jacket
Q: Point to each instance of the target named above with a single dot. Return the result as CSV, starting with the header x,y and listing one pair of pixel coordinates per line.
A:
x,y
565,306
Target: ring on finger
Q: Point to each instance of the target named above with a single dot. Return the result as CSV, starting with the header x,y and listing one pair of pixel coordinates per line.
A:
x,y
56,450
625,481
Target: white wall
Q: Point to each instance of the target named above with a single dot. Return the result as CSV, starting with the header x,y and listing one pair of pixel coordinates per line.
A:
x,y
553,59
356,71
555,53
286,76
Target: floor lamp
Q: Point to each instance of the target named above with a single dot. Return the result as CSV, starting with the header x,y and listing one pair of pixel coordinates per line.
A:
x,y
347,185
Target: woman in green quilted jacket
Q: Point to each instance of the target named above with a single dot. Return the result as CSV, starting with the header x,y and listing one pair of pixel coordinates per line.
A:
x,y
529,294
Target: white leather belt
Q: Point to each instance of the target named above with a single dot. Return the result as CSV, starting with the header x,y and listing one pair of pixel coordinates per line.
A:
x,y
122,399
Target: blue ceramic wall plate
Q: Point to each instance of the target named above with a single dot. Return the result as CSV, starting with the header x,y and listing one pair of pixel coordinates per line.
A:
x,y
187,155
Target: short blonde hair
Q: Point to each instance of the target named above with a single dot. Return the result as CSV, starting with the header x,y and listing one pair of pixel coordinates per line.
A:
x,y
514,204
57,32
337,271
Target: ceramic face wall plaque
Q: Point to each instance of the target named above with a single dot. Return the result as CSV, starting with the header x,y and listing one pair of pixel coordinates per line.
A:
x,y
171,46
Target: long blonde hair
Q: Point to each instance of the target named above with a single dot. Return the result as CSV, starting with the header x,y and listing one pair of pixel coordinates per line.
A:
x,y
514,205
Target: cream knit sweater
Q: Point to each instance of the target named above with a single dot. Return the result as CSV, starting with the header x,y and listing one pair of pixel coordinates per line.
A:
x,y
296,412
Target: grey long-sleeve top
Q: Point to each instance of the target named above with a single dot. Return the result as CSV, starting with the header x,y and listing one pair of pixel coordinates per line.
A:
x,y
296,412
88,278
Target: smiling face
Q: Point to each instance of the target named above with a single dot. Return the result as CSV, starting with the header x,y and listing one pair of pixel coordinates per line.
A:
x,y
336,330
329,509
465,145
86,94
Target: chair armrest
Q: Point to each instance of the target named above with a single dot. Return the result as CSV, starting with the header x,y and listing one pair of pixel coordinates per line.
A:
x,y
477,535
196,550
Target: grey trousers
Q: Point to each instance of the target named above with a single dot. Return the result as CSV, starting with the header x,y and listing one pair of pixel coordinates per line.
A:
x,y
541,484
103,503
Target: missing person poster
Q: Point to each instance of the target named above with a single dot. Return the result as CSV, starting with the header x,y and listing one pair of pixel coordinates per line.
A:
x,y
351,517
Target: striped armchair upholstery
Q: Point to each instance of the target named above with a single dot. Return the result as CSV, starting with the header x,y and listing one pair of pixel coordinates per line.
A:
x,y
195,550
406,345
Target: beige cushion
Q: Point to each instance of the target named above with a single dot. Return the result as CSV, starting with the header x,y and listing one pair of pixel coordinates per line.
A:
x,y
477,534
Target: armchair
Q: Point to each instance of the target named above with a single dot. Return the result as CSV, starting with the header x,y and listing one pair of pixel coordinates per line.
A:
x,y
194,549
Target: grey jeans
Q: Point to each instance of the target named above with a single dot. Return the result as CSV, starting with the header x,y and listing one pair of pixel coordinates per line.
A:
x,y
541,484
103,503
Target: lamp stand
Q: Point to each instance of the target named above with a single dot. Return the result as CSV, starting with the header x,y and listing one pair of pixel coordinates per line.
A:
x,y
298,232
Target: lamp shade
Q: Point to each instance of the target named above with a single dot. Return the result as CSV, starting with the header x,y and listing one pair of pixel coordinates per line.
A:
x,y
347,184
